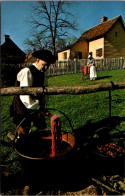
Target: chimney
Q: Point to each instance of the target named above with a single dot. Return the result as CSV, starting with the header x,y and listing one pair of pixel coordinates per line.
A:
x,y
6,37
103,19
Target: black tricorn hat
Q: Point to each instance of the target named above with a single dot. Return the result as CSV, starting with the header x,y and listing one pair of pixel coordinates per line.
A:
x,y
45,55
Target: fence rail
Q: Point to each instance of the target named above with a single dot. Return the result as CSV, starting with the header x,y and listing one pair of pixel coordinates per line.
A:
x,y
75,90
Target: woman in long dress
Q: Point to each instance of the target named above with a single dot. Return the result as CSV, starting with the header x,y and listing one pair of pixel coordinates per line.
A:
x,y
92,68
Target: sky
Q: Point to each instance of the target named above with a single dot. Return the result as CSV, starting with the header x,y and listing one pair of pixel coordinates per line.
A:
x,y
88,13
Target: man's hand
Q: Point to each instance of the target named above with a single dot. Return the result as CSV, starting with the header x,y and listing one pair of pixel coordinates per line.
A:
x,y
48,114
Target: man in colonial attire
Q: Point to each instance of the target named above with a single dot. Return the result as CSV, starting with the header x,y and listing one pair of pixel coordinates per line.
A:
x,y
23,105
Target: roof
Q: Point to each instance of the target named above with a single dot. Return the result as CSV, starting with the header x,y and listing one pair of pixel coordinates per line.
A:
x,y
11,47
10,50
99,30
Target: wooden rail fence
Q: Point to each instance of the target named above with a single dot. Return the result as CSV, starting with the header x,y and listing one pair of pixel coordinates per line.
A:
x,y
76,90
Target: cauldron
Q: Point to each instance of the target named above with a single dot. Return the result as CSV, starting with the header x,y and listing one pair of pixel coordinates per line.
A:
x,y
103,160
104,137
34,150
37,145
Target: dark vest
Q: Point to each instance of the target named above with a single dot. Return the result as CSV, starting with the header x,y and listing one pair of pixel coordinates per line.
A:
x,y
38,77
38,81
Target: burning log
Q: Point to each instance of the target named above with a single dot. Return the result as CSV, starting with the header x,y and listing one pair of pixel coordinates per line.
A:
x,y
76,90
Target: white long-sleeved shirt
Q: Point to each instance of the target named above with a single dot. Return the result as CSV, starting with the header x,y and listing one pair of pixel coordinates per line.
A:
x,y
26,80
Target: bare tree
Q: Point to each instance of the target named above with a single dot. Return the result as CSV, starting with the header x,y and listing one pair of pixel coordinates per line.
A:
x,y
65,43
51,22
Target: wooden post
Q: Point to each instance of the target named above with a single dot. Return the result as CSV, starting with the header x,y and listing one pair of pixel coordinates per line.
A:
x,y
75,65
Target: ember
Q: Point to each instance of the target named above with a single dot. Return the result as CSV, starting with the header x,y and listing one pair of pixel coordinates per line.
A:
x,y
111,149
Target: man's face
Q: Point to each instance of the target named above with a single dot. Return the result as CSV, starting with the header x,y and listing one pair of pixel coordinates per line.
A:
x,y
42,65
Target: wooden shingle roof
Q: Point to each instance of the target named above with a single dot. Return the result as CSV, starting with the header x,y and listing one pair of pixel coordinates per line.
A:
x,y
99,30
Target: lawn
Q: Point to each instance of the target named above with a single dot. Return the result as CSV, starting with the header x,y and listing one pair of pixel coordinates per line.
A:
x,y
75,79
80,109
89,107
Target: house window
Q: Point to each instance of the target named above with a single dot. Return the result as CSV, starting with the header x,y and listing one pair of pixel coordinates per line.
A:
x,y
78,55
64,55
99,52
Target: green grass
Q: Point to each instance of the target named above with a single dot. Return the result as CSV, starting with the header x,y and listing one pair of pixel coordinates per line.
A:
x,y
94,107
80,109
75,79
